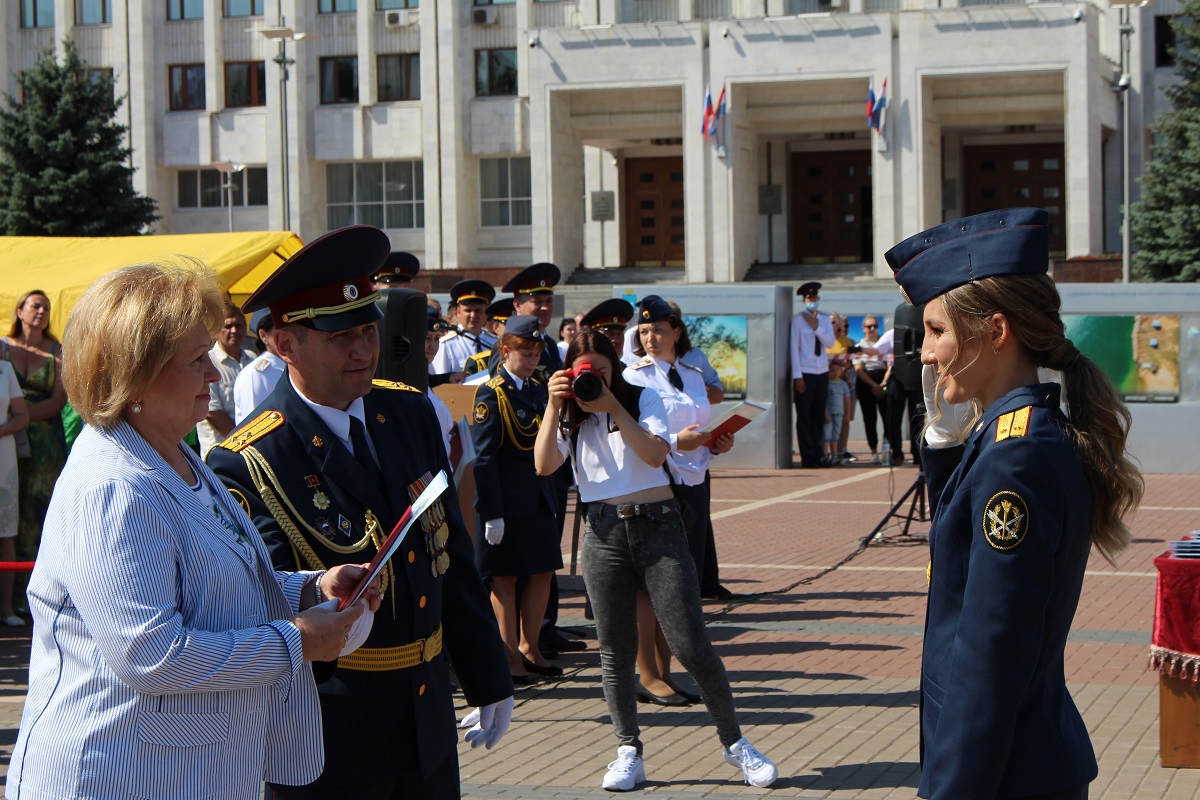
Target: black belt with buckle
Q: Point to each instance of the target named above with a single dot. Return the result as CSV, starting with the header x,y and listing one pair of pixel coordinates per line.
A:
x,y
631,510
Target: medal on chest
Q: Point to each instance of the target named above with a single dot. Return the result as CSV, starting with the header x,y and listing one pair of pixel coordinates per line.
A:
x,y
434,527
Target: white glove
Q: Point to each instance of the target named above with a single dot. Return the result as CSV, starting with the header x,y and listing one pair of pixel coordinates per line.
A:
x,y
358,632
470,719
492,725
951,427
493,531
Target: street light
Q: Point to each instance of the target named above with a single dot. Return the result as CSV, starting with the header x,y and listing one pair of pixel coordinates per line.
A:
x,y
228,169
1121,87
283,35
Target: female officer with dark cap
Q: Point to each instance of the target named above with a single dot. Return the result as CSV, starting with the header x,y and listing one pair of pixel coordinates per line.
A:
x,y
520,528
1020,492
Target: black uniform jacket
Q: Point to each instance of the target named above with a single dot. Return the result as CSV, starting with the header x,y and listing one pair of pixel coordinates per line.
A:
x,y
317,507
506,426
1008,546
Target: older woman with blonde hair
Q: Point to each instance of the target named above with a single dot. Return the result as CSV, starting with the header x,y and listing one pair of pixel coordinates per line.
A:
x,y
168,657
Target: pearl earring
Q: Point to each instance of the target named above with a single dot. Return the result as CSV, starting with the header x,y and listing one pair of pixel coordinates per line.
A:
x,y
136,408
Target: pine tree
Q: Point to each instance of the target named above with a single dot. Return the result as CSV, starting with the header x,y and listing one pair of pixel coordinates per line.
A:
x,y
64,168
1166,222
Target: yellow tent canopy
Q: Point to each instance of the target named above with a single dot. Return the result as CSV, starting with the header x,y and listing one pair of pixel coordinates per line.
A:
x,y
64,267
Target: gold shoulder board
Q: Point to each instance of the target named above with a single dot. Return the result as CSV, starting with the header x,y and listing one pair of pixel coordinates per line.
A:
x,y
252,431
496,382
481,358
379,383
645,362
1013,425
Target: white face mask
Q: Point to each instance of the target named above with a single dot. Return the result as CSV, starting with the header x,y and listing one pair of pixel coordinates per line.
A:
x,y
813,305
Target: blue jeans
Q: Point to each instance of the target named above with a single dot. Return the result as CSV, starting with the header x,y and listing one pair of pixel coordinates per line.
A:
x,y
651,552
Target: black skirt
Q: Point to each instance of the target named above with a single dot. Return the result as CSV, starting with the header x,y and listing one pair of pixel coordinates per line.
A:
x,y
530,546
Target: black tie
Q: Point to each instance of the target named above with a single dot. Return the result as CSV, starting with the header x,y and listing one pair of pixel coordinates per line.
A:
x,y
816,345
362,451
674,378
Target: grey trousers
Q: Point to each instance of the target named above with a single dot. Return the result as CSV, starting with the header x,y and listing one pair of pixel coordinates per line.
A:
x,y
649,552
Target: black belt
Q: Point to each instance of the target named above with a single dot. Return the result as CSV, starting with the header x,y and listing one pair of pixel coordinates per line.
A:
x,y
630,510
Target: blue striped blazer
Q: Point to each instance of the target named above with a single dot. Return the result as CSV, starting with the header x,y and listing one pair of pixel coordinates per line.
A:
x,y
164,662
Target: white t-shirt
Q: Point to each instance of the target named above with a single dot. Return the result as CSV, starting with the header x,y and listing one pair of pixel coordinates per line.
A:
x,y
604,466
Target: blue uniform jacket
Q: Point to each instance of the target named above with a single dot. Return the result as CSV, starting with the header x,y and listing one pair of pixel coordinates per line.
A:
x,y
504,464
325,495
1008,546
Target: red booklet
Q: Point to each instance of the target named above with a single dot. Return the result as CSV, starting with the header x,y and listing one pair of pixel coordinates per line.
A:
x,y
731,421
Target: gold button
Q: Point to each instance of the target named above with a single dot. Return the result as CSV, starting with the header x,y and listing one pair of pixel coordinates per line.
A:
x,y
422,601
412,556
421,690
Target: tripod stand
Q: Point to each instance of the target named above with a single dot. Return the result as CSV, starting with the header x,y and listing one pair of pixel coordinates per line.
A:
x,y
915,497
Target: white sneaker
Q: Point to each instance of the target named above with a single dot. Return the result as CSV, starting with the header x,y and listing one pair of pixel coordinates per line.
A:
x,y
757,769
627,771
875,458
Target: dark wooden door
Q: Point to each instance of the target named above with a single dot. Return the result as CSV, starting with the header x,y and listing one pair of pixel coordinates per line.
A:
x,y
1006,176
831,207
654,215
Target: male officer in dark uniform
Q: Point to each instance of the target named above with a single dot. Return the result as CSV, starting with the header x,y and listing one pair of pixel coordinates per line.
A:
x,y
326,468
398,271
610,317
497,314
533,296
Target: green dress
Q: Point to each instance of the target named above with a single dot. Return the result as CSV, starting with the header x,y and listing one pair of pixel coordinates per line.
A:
x,y
48,449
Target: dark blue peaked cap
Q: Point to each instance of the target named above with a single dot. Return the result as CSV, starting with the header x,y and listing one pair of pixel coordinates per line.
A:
x,y
1012,241
653,308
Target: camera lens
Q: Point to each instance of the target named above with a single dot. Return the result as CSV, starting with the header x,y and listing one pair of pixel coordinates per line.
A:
x,y
587,387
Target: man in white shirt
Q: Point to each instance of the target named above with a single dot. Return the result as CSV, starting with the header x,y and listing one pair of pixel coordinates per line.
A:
x,y
471,298
812,336
256,381
229,357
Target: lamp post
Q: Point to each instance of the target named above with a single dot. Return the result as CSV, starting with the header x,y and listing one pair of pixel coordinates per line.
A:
x,y
283,35
1122,88
228,169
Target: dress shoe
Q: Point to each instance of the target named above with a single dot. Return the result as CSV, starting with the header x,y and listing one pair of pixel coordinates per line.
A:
x,y
719,593
689,696
644,695
524,680
549,671
551,638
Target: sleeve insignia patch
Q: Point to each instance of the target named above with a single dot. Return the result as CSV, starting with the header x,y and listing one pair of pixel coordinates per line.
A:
x,y
1005,520
481,413
379,383
1013,425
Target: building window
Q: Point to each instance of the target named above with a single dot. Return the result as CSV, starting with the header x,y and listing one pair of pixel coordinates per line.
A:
x,y
337,6
245,84
495,2
386,194
202,188
93,12
1164,42
389,5
187,87
505,192
400,77
37,13
185,9
243,8
496,72
339,80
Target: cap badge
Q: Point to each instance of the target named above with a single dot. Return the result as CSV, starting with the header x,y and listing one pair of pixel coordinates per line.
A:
x,y
350,291
541,283
645,315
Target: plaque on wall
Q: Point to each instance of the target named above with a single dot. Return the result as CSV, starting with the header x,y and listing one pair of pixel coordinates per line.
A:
x,y
603,204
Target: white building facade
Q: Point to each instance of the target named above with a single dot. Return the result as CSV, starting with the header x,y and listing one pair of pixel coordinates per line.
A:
x,y
489,134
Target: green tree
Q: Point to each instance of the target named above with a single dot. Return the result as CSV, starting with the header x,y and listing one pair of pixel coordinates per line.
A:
x,y
1166,221
64,168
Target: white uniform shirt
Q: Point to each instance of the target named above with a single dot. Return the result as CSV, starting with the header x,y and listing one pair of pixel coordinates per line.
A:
x,y
805,355
445,420
455,349
604,466
220,394
254,383
684,408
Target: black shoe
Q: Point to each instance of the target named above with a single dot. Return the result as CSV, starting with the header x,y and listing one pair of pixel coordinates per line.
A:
x,y
719,593
644,695
689,696
524,680
549,671
550,637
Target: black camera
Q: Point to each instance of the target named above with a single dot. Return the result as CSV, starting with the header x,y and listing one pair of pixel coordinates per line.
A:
x,y
586,384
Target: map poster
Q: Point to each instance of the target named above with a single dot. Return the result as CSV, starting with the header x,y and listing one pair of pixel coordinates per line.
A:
x,y
1139,354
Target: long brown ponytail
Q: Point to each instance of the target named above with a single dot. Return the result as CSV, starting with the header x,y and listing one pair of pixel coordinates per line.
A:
x,y
1097,419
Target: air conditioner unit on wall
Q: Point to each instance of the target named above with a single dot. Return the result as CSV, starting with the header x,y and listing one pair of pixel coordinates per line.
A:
x,y
400,19
484,16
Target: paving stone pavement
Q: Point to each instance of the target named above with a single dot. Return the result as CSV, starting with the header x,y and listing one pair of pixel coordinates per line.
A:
x,y
823,652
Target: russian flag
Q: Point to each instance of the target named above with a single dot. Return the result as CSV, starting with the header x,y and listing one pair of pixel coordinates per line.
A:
x,y
876,105
707,122
720,112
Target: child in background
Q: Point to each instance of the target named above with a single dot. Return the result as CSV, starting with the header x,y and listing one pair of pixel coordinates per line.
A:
x,y
837,409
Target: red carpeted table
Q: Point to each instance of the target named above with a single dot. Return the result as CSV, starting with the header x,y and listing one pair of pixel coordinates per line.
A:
x,y
1175,653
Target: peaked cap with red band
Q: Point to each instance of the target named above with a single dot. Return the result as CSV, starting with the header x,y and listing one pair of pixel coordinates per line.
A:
x,y
535,279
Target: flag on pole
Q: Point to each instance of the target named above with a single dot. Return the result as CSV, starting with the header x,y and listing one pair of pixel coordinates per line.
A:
x,y
707,122
720,112
876,105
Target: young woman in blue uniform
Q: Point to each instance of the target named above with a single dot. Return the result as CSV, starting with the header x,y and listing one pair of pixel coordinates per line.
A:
x,y
517,506
634,538
1020,492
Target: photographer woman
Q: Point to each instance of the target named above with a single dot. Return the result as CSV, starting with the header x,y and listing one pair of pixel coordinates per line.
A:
x,y
1020,492
510,495
634,539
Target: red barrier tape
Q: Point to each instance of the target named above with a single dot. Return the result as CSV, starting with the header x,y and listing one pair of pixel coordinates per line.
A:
x,y
16,566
